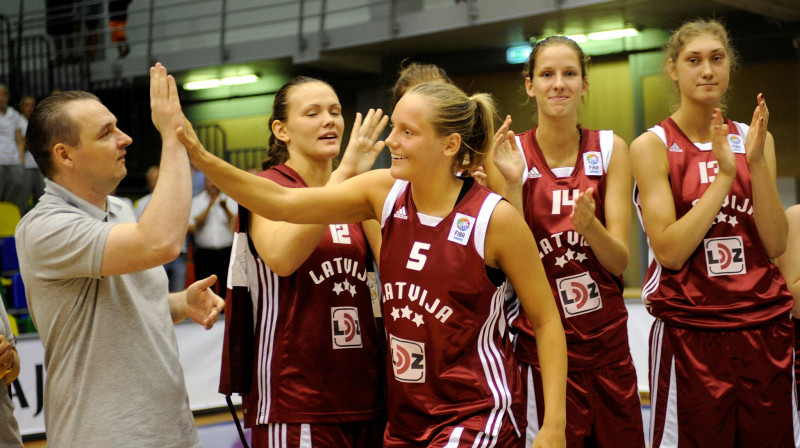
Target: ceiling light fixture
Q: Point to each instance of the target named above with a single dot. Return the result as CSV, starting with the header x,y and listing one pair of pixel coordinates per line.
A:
x,y
578,38
228,81
236,80
614,34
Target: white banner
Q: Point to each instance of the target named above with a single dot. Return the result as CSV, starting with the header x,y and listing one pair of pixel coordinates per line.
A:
x,y
200,355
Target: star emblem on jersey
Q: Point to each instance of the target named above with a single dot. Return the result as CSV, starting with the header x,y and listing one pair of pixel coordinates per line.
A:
x,y
730,219
344,287
406,314
568,256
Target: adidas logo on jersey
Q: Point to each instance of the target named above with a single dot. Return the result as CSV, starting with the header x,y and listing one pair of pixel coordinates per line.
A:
x,y
401,214
534,173
675,148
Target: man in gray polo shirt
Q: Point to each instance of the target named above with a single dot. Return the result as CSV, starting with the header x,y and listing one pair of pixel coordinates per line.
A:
x,y
94,282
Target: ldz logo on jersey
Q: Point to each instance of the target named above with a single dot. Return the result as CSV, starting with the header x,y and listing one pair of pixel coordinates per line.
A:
x,y
725,256
346,328
578,294
461,229
408,360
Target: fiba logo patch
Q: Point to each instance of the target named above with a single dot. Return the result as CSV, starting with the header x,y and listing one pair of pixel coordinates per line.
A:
x,y
408,360
592,163
578,294
346,328
725,256
737,145
461,229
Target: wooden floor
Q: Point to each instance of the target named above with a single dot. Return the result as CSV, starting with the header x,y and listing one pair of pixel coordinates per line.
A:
x,y
200,420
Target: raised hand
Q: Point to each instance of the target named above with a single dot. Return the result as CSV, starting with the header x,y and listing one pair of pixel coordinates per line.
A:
x,y
583,211
726,160
507,157
188,137
165,107
757,135
364,147
479,174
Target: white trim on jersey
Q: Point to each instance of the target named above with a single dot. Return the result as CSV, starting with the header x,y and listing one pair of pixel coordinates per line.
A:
x,y
277,436
388,204
660,132
606,147
655,355
305,436
532,411
455,437
269,317
482,222
493,366
671,431
743,130
512,307
238,265
527,169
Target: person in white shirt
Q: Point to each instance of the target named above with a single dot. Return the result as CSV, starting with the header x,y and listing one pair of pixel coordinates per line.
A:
x,y
211,222
12,153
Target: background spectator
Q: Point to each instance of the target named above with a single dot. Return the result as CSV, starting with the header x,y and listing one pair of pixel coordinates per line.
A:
x,y
12,151
211,222
32,177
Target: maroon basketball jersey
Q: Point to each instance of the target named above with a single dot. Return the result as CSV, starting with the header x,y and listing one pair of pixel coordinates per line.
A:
x,y
446,328
728,282
589,297
317,357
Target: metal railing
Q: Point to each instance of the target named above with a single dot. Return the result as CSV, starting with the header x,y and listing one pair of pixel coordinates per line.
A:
x,y
156,27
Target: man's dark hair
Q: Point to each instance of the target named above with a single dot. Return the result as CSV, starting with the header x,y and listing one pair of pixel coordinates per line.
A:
x,y
50,124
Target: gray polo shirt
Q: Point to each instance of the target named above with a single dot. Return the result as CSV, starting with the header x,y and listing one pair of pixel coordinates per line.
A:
x,y
9,429
111,356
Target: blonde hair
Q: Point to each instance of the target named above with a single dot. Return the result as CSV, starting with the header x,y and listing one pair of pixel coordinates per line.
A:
x,y
416,73
472,117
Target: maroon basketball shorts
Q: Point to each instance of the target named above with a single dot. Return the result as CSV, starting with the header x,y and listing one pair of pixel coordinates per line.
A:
x,y
603,407
723,388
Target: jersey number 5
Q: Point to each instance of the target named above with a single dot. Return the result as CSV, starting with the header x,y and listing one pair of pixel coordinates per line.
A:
x,y
416,260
